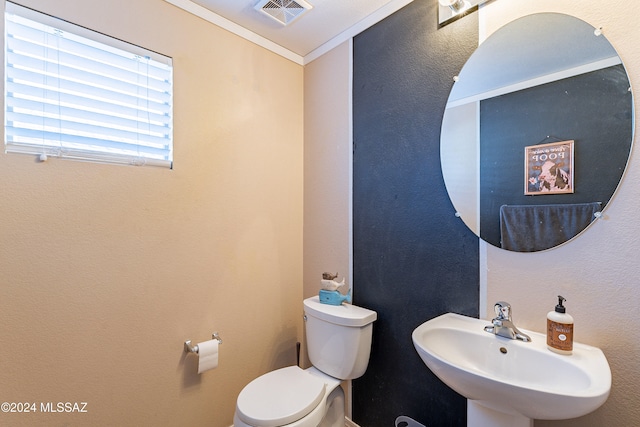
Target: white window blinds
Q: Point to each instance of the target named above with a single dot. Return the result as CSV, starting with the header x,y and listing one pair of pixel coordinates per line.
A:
x,y
74,93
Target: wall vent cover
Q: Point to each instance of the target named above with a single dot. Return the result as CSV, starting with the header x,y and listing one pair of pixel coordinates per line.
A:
x,y
283,11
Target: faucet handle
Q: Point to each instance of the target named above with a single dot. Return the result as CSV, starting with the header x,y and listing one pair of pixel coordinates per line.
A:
x,y
502,310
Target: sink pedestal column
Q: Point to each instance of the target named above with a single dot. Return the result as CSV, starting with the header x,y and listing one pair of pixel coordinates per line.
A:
x,y
479,415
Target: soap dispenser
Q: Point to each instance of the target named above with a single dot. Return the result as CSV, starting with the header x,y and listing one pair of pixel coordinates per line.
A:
x,y
560,329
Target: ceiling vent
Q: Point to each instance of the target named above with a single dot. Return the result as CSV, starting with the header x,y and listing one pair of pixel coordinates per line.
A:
x,y
283,11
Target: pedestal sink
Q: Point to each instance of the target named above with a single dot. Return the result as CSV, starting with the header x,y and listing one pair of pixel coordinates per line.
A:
x,y
508,382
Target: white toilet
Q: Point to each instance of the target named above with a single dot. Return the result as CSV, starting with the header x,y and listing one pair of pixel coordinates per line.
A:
x,y
339,344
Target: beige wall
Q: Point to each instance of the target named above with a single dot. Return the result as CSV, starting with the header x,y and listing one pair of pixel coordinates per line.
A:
x,y
328,165
106,270
599,271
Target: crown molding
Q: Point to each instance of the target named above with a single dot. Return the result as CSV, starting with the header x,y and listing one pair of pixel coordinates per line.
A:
x,y
236,29
214,18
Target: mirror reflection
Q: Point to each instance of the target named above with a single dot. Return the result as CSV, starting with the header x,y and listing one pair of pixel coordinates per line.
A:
x,y
537,132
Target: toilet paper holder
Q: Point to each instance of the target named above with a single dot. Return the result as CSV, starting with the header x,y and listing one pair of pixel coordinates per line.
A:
x,y
188,348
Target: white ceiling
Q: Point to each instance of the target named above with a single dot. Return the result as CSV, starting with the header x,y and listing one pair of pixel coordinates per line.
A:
x,y
327,24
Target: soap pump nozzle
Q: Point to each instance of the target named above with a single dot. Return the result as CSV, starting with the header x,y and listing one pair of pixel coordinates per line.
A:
x,y
561,308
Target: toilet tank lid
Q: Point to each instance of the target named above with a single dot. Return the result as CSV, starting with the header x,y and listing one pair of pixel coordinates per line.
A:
x,y
345,314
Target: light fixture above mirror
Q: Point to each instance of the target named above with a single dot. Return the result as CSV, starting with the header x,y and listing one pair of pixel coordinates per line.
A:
x,y
451,10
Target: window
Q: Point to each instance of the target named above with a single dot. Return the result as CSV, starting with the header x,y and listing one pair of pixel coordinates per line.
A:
x,y
73,93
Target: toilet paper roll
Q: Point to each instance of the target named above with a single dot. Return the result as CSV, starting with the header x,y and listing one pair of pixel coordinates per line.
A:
x,y
208,355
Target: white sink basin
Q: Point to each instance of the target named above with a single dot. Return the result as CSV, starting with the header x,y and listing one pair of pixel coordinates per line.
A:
x,y
513,377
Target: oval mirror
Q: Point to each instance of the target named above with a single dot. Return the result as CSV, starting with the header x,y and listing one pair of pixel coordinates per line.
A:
x,y
537,132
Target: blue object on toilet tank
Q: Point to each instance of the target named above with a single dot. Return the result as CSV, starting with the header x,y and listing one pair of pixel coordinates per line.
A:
x,y
334,297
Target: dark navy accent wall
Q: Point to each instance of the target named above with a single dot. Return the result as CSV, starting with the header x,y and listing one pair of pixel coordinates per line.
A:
x,y
413,259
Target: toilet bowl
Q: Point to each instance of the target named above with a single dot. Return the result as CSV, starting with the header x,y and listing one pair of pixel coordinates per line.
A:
x,y
291,397
339,345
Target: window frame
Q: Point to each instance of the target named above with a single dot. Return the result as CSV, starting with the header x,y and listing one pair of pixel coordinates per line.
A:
x,y
141,146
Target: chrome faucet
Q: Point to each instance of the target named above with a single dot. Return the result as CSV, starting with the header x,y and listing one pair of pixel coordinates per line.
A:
x,y
502,324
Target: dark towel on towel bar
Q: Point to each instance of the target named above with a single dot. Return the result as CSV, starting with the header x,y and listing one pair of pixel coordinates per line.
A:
x,y
529,228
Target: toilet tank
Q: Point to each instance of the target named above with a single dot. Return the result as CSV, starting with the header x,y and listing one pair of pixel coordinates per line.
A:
x,y
338,337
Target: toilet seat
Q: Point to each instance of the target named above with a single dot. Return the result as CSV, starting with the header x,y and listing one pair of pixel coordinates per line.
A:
x,y
280,397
